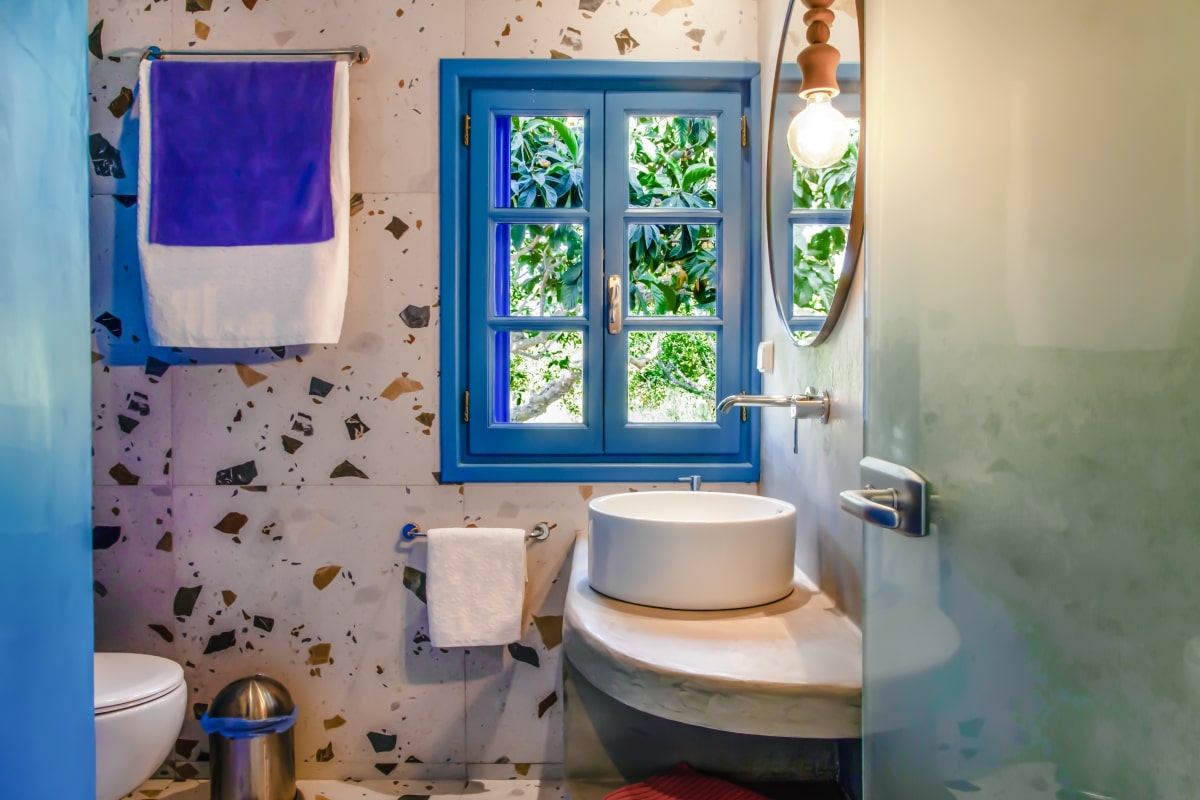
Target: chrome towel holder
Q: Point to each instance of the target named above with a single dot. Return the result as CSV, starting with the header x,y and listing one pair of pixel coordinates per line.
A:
x,y
355,54
539,533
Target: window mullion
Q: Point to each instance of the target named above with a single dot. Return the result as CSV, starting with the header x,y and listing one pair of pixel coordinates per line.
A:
x,y
614,347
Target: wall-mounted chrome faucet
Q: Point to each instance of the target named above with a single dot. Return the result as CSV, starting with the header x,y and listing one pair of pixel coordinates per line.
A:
x,y
813,404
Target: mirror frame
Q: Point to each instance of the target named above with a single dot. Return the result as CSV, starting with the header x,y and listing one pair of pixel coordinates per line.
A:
x,y
854,237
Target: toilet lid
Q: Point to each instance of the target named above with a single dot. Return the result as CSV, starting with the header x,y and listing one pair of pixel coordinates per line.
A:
x,y
123,680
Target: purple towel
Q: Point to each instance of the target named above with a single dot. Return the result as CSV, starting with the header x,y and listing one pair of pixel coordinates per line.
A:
x,y
240,153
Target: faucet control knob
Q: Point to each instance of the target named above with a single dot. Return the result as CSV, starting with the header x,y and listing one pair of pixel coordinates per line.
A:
x,y
816,403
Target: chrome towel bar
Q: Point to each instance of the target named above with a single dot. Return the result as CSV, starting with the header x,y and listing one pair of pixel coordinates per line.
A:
x,y
540,531
357,54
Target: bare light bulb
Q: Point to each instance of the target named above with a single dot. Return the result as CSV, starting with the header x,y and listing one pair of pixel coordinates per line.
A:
x,y
819,135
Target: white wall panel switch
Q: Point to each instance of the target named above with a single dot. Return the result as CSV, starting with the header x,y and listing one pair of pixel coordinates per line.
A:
x,y
766,356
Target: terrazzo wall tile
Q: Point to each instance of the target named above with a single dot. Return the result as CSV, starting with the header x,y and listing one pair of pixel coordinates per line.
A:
x,y
514,708
131,426
563,506
393,99
120,31
642,30
514,693
131,385
314,586
291,469
364,411
133,569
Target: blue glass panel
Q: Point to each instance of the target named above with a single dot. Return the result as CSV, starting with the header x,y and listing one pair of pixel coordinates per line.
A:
x,y
45,431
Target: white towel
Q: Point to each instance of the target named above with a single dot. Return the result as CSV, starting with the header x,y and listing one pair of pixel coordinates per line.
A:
x,y
251,296
475,586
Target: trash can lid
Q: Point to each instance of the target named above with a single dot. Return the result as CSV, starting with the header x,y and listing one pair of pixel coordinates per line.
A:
x,y
256,697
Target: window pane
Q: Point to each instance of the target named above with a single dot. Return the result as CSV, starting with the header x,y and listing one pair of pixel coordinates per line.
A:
x,y
673,162
545,161
540,270
817,255
831,187
672,376
539,376
672,270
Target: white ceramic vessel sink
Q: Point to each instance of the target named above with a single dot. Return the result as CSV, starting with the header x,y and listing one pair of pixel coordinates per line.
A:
x,y
700,551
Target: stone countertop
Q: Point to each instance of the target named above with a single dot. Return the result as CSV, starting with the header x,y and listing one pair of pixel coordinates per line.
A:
x,y
789,668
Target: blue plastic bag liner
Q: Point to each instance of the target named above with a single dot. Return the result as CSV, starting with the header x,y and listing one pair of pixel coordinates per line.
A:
x,y
238,728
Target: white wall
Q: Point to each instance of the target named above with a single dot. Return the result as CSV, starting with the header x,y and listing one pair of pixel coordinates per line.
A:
x,y
829,546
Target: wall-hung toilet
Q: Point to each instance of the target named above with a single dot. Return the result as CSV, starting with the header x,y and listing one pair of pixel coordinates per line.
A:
x,y
140,702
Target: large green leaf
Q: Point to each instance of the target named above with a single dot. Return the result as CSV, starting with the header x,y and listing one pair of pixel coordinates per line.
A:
x,y
566,135
697,174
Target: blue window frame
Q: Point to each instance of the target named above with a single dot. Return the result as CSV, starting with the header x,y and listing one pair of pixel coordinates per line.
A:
x,y
584,227
784,260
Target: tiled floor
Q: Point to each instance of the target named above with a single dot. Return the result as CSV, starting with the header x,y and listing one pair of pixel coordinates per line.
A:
x,y
1015,782
375,790
451,790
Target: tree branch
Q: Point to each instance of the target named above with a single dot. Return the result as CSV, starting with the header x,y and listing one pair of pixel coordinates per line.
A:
x,y
537,405
675,377
519,342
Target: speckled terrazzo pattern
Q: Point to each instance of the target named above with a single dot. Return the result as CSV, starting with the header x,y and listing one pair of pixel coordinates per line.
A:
x,y
248,503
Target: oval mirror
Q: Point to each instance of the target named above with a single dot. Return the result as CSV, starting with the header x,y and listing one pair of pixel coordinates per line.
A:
x,y
814,215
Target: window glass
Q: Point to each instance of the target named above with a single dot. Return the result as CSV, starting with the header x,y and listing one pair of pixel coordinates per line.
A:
x,y
545,161
672,376
673,162
817,255
541,270
672,270
539,376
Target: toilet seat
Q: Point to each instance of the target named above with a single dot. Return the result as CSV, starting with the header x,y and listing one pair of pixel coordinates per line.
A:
x,y
125,680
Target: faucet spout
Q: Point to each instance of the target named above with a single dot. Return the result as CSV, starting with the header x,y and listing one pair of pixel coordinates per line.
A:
x,y
813,404
764,400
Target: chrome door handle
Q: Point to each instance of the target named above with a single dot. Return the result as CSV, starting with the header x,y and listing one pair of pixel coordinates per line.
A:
x,y
614,304
876,506
895,498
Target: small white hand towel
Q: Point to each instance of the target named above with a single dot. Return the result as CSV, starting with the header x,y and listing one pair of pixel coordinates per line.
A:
x,y
475,586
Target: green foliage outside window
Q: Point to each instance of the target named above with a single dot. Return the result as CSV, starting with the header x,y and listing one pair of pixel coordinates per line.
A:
x,y
672,376
545,374
546,162
546,270
673,267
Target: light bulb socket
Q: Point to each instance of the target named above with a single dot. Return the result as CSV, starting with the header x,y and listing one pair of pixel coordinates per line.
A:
x,y
818,69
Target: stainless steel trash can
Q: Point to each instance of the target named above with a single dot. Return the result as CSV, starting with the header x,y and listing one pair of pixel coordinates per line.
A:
x,y
252,741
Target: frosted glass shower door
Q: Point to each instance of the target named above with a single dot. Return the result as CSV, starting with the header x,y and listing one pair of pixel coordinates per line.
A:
x,y
1033,349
